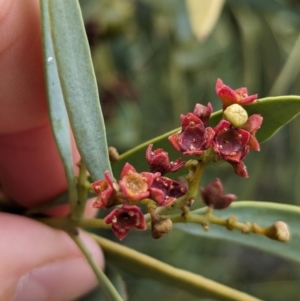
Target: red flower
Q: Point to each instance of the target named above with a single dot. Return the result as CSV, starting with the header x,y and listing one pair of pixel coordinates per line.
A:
x,y
213,196
106,190
125,218
159,161
229,96
252,125
230,143
194,137
164,190
136,186
190,119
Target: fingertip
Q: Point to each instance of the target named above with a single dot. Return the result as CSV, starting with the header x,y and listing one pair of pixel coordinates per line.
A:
x,y
43,264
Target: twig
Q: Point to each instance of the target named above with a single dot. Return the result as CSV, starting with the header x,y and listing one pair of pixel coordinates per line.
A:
x,y
146,266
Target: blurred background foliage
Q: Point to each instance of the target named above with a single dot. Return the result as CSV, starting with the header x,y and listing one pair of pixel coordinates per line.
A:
x,y
154,60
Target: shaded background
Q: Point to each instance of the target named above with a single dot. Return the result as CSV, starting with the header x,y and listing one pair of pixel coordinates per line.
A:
x,y
151,65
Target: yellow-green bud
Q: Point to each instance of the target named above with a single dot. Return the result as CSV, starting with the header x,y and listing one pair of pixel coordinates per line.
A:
x,y
236,115
279,231
113,154
160,227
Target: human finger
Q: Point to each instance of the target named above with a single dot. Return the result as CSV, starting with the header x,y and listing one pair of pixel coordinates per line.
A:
x,y
39,263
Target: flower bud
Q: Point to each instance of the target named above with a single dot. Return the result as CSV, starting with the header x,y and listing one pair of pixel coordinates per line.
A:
x,y
279,231
213,196
203,112
113,154
236,115
160,227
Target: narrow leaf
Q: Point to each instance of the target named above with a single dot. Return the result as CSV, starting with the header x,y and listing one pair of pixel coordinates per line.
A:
x,y
276,111
203,16
57,110
262,213
78,83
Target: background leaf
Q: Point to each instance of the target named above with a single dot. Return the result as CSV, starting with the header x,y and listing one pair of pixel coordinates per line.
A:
x,y
262,213
203,16
77,80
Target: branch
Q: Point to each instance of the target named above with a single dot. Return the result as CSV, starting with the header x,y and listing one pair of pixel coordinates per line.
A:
x,y
146,266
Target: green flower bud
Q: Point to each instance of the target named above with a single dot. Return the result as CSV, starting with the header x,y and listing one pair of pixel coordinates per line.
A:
x,y
236,115
160,227
279,231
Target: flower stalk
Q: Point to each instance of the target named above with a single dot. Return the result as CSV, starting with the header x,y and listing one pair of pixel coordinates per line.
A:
x,y
278,231
196,169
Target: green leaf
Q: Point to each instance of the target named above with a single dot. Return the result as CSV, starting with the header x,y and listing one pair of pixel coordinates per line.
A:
x,y
276,111
68,46
57,110
262,213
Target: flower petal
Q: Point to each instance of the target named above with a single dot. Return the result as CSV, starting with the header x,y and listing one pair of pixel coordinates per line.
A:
x,y
128,168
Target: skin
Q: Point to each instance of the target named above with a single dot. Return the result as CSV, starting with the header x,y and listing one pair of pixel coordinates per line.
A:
x,y
38,263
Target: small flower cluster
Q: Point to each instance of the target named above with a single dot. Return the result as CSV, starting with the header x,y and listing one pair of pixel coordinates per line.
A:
x,y
231,139
135,188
